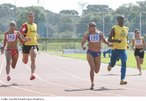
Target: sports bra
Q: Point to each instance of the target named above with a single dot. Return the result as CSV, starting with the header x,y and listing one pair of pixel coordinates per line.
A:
x,y
94,37
11,37
138,42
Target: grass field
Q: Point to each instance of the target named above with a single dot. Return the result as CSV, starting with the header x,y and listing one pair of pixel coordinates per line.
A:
x,y
130,63
57,48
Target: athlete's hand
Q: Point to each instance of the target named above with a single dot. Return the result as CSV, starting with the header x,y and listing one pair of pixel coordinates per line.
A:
x,y
119,41
110,45
2,51
84,48
133,49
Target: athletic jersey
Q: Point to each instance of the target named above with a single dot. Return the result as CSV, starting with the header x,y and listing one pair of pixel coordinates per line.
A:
x,y
121,33
93,41
30,31
11,37
138,42
94,37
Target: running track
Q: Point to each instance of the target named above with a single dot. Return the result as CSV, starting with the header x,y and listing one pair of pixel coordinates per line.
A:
x,y
60,76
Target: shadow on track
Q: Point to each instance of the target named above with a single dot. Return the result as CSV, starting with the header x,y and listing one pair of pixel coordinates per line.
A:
x,y
84,89
12,85
119,75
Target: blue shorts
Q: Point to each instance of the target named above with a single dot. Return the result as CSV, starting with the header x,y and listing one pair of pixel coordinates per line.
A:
x,y
94,54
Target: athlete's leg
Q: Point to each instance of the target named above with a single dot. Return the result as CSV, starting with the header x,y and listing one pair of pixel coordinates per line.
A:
x,y
92,68
97,64
123,57
138,63
113,59
8,63
33,54
14,60
141,61
25,54
25,58
141,57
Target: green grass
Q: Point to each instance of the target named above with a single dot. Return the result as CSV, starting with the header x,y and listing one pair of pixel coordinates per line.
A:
x,y
57,48
131,62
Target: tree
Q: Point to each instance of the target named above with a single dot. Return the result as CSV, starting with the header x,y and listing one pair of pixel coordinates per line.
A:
x,y
69,12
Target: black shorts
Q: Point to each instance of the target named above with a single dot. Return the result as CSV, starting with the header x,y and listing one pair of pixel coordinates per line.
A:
x,y
139,52
26,49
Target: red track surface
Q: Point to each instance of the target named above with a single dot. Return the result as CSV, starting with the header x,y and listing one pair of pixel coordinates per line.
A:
x,y
60,76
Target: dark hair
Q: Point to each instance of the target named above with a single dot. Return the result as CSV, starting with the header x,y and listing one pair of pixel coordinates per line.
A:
x,y
31,13
120,16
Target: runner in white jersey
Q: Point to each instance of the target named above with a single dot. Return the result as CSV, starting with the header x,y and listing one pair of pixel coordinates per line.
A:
x,y
138,45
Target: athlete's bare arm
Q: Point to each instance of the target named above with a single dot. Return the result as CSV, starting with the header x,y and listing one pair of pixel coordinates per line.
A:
x,y
144,44
4,43
21,37
103,38
112,34
83,42
133,44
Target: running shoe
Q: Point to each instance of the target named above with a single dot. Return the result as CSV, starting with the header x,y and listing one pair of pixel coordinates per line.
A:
x,y
92,87
140,73
32,77
109,67
123,82
8,78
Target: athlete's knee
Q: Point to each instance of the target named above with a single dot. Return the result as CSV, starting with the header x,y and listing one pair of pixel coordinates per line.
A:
x,y
33,60
97,69
14,67
141,62
25,61
91,71
8,63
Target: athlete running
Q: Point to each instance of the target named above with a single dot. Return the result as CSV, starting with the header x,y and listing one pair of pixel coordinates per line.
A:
x,y
10,46
94,38
118,36
29,48
138,45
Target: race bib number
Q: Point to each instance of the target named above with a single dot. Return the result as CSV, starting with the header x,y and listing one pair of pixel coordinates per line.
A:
x,y
94,38
11,37
138,42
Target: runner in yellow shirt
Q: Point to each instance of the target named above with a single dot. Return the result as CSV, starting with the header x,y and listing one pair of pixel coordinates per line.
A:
x,y
118,35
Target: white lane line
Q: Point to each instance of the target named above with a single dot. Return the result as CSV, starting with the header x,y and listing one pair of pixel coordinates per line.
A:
x,y
74,76
2,65
55,84
54,67
28,90
138,83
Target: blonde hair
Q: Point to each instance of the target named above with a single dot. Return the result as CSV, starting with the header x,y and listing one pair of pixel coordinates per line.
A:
x,y
13,23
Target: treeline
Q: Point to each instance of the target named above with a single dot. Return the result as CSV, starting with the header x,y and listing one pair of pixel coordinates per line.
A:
x,y
69,24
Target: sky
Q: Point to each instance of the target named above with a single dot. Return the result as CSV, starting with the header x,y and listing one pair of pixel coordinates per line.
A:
x,y
58,5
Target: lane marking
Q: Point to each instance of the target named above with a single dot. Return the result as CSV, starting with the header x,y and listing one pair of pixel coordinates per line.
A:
x,y
74,76
54,67
28,90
